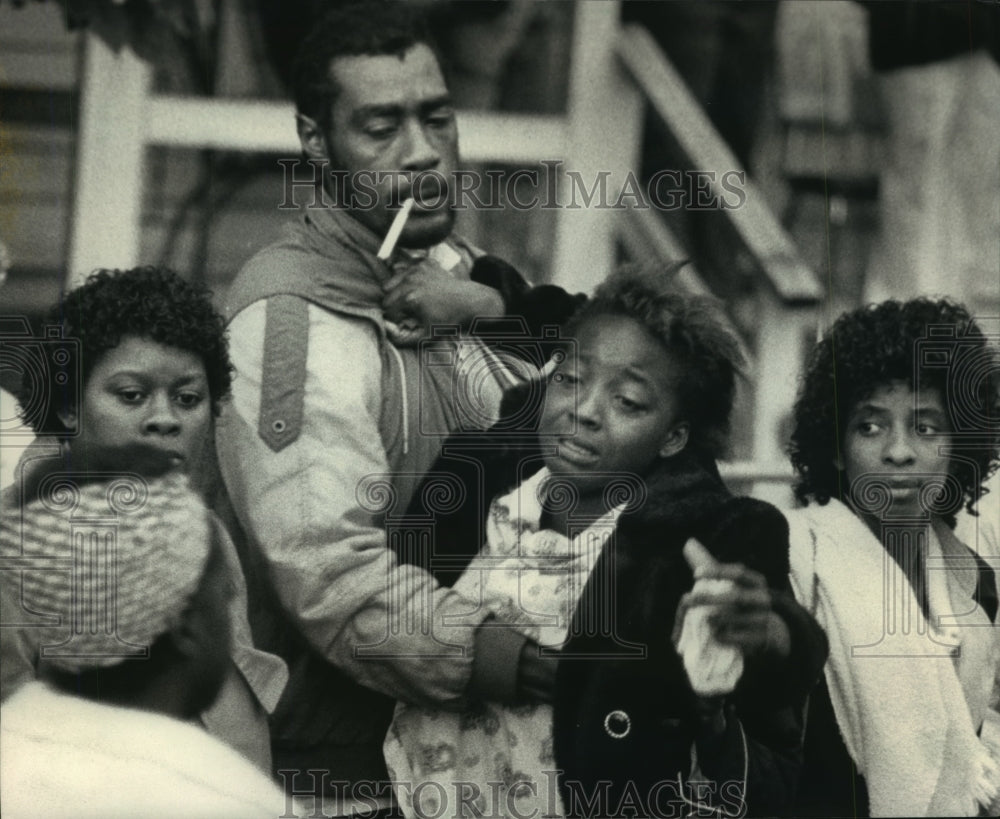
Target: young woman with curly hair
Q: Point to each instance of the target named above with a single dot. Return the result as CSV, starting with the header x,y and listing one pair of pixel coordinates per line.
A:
x,y
895,431
152,370
576,521
148,309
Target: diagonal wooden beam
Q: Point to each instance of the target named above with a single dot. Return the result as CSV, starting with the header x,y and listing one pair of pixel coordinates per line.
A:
x,y
757,228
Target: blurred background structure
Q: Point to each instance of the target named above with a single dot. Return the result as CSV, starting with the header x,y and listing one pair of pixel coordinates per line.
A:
x,y
149,131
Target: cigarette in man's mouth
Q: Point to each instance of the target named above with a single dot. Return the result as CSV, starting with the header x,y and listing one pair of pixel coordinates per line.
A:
x,y
395,229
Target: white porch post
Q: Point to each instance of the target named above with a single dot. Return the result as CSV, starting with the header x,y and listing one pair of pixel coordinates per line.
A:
x,y
604,118
107,200
784,331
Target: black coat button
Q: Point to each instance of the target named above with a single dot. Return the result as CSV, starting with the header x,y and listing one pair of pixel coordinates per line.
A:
x,y
617,724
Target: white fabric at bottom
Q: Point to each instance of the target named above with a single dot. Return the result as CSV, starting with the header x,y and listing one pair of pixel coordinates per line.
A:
x,y
65,756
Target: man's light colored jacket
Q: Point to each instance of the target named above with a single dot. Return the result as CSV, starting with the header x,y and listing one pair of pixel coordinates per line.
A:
x,y
330,428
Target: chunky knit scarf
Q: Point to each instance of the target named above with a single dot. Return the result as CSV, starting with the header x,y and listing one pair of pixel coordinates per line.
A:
x,y
898,701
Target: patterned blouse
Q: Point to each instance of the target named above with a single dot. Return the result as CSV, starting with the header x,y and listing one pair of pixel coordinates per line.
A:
x,y
497,759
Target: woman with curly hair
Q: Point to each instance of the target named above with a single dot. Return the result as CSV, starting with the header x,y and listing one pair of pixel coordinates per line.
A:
x,y
160,328
895,431
581,521
152,370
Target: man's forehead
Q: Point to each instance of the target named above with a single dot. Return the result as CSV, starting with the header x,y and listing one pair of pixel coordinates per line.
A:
x,y
388,79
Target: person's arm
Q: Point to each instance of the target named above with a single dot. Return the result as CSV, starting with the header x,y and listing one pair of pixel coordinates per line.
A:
x,y
429,295
784,647
486,304
325,554
482,464
535,307
265,673
755,734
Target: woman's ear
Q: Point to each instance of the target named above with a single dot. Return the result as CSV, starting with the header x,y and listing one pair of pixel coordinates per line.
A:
x,y
676,440
311,137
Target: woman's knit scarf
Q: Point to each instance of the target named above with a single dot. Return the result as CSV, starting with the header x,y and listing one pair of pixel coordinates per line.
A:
x,y
897,698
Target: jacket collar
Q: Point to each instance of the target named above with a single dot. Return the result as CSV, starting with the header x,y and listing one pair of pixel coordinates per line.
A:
x,y
680,487
337,224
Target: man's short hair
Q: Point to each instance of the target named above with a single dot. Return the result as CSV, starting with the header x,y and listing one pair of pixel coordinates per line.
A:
x,y
373,28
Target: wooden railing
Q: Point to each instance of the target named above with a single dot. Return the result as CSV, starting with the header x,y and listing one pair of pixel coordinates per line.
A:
x,y
759,231
787,292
